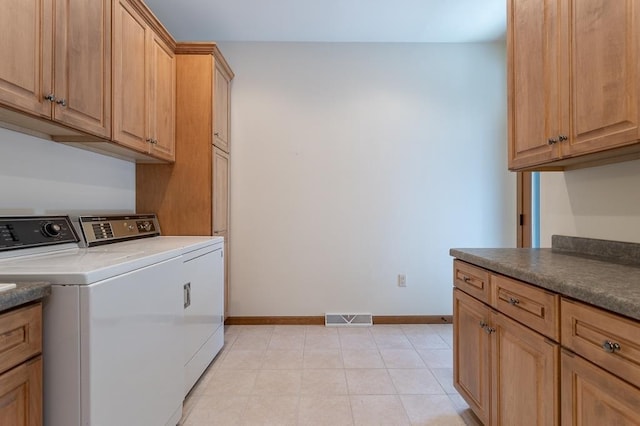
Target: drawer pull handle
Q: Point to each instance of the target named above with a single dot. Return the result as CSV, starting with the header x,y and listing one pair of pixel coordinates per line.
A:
x,y
513,301
466,279
485,327
610,346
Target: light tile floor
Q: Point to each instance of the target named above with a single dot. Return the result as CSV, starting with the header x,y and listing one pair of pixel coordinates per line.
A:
x,y
316,375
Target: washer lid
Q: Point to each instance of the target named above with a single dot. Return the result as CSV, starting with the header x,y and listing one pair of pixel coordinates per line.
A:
x,y
83,266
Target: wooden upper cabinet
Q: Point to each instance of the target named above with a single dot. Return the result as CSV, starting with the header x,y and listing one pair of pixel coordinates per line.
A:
x,y
56,61
82,65
143,84
162,104
533,97
572,82
26,49
603,88
130,91
221,108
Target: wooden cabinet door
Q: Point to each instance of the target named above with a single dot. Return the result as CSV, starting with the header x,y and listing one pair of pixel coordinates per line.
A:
x,y
533,96
603,75
220,176
221,110
525,372
471,353
130,88
593,397
26,49
162,99
21,394
82,64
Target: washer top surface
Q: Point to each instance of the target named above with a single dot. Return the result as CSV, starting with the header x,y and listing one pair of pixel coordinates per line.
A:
x,y
83,266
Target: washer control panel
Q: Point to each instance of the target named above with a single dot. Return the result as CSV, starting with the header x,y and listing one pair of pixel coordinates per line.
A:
x,y
17,232
99,230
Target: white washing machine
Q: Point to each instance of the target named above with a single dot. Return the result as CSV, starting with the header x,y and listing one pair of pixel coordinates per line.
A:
x,y
133,318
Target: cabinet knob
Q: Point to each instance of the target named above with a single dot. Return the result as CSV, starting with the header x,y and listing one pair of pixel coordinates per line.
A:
x,y
50,97
610,346
62,102
216,134
562,138
551,141
513,301
489,330
483,324
466,279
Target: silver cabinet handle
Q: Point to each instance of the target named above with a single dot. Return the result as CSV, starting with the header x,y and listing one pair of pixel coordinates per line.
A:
x,y
50,97
513,301
551,141
62,102
187,295
610,346
562,138
466,279
485,327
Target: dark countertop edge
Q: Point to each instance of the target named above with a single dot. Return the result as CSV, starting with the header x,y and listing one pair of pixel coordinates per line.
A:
x,y
604,300
25,292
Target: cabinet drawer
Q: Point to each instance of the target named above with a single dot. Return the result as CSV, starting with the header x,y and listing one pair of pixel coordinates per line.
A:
x,y
530,305
471,279
606,339
20,335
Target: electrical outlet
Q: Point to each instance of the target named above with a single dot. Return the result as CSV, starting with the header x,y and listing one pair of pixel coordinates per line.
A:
x,y
402,280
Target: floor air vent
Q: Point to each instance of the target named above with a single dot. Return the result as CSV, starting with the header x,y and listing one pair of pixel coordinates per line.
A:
x,y
347,320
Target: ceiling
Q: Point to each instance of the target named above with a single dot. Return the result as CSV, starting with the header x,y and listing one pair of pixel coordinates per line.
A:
x,y
405,21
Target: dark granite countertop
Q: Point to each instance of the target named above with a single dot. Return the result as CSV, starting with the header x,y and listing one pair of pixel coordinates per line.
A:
x,y
603,273
24,292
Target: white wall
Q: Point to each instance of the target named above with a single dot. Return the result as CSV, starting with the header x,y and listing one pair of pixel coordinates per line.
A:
x,y
601,202
38,176
352,163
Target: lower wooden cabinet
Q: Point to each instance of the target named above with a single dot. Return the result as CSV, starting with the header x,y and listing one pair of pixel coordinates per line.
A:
x,y
594,397
471,353
21,394
531,357
525,373
21,366
506,372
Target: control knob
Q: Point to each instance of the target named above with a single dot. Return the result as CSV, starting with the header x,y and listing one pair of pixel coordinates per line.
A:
x,y
51,229
146,226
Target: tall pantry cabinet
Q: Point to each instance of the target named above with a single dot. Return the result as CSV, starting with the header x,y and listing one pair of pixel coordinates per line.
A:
x,y
191,196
